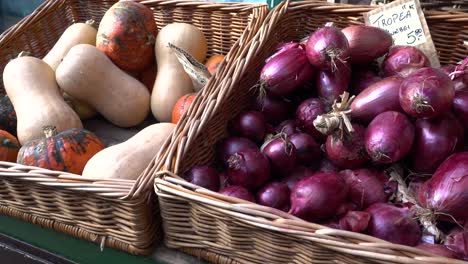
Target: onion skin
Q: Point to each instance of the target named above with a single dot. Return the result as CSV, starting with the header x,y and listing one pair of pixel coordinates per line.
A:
x,y
296,175
238,192
361,79
286,71
318,197
389,137
275,195
307,149
427,93
366,43
326,46
250,124
249,169
204,176
331,84
445,192
350,152
435,139
457,241
458,83
355,221
327,166
460,108
288,127
282,155
439,250
380,97
403,60
365,187
274,109
394,224
306,113
345,208
231,145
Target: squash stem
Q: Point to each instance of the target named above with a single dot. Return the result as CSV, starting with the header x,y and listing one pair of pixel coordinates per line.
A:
x,y
49,131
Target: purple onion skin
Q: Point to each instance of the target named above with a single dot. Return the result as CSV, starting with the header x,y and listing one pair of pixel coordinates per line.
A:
x,y
426,93
439,250
361,79
308,151
238,192
231,145
458,83
367,43
365,187
403,60
275,195
327,166
306,113
250,124
274,109
331,84
460,108
282,155
380,97
389,137
355,221
435,139
326,46
345,208
394,224
286,71
445,192
249,169
204,176
318,197
350,152
457,242
296,175
288,127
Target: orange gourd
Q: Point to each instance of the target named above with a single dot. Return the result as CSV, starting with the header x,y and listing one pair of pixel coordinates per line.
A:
x,y
212,64
182,106
9,146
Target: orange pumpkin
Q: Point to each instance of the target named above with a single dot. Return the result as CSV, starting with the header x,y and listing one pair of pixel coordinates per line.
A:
x,y
67,151
213,63
182,106
9,146
127,34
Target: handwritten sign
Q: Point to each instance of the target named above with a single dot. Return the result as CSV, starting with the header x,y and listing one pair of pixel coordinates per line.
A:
x,y
405,21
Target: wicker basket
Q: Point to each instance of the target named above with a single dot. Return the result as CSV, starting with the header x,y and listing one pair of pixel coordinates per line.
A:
x,y
226,230
114,213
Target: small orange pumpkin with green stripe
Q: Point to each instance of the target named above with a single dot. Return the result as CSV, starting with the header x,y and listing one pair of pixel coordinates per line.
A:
x,y
67,151
9,146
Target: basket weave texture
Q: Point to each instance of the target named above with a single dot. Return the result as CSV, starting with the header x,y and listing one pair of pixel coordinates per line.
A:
x,y
114,213
227,230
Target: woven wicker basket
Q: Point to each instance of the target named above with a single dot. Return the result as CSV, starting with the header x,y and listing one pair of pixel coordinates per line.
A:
x,y
114,213
226,230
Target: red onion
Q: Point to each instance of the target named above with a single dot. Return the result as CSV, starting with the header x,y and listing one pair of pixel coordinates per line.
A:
x,y
307,149
296,175
223,180
275,195
380,97
394,224
282,154
238,192
458,83
361,79
367,43
326,46
231,145
306,113
389,137
403,60
204,176
250,124
445,192
365,187
435,139
318,197
286,71
327,166
274,109
460,107
439,250
288,127
345,208
457,241
355,221
349,152
283,47
249,169
331,84
426,93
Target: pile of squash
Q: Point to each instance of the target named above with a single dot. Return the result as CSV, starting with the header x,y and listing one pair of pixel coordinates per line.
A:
x,y
120,71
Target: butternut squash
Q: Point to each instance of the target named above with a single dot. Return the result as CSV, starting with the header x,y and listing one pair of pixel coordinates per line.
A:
x,y
78,33
129,159
89,75
30,84
172,82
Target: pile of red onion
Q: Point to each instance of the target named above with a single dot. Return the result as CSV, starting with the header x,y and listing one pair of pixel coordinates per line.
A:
x,y
378,149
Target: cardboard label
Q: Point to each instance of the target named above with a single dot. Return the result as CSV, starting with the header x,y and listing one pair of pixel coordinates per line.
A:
x,y
405,21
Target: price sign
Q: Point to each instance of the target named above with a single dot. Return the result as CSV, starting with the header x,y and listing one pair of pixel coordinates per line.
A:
x,y
405,21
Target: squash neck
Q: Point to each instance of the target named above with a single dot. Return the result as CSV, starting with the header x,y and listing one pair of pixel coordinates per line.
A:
x,y
50,131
